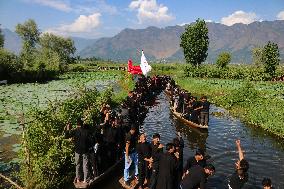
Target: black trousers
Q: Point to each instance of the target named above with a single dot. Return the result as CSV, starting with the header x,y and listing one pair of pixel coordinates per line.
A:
x,y
154,176
142,171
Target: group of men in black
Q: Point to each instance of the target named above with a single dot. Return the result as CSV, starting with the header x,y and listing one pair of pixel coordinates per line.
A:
x,y
183,102
99,146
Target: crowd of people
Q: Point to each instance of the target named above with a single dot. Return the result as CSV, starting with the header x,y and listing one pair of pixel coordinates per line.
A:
x,y
183,102
99,146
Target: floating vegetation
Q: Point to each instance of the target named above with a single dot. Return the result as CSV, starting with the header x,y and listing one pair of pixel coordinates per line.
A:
x,y
217,114
17,99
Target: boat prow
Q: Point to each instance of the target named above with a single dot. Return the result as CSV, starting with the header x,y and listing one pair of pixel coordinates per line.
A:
x,y
101,177
132,185
187,122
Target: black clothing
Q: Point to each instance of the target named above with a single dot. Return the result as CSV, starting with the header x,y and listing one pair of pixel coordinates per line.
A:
x,y
143,150
111,134
205,106
195,113
192,162
195,179
236,182
82,139
167,170
133,140
180,162
156,152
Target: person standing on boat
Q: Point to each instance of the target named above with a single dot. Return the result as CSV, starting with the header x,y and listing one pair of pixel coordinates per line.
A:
x,y
157,149
204,111
81,136
144,158
196,110
130,154
240,177
168,165
111,141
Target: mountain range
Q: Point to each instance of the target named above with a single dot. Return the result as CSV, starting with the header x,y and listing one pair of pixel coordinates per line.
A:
x,y
13,42
162,44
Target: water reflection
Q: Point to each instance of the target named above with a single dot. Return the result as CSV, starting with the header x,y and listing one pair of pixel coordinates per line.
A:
x,y
264,153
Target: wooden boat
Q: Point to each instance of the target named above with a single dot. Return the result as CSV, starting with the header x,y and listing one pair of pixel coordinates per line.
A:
x,y
133,183
187,122
104,175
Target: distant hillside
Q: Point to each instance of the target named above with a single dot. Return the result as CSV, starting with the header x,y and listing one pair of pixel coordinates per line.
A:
x,y
163,43
82,43
14,43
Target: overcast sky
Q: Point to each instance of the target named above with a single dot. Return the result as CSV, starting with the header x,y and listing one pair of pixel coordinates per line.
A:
x,y
104,18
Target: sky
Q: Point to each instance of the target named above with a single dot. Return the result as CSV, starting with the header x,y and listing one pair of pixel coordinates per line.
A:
x,y
106,18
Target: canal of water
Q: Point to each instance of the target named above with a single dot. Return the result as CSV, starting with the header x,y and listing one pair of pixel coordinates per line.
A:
x,y
265,153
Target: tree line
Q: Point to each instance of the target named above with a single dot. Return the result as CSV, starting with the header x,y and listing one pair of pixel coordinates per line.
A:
x,y
43,55
195,43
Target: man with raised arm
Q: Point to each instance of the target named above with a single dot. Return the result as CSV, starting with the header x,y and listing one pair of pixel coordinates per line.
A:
x,y
81,136
240,177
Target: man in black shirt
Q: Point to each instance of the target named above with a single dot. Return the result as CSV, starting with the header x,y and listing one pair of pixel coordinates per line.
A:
x,y
179,145
204,111
157,149
198,159
197,177
240,177
111,139
82,143
168,165
144,158
130,153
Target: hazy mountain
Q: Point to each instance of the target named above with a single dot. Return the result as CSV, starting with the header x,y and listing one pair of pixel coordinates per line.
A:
x,y
82,43
163,43
14,43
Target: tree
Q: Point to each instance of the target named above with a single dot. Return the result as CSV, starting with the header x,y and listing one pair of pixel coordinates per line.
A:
x,y
64,47
223,60
271,58
194,42
1,39
30,36
257,56
9,64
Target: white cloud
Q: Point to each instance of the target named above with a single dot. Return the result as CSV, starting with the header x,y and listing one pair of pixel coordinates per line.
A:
x,y
84,7
100,6
239,17
150,11
83,24
280,15
56,4
208,20
182,24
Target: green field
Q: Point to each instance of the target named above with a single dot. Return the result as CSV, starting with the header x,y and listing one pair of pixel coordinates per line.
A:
x,y
17,99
